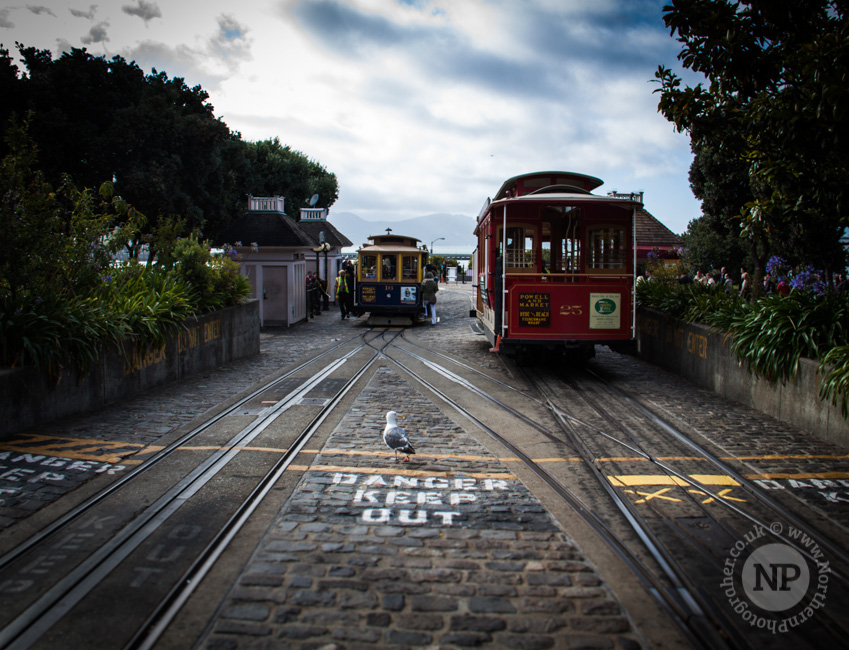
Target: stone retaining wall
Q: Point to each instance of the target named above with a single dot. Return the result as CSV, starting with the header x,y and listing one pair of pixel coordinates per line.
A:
x,y
28,399
703,357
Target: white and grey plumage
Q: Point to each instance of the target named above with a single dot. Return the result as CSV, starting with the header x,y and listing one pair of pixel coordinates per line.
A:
x,y
396,438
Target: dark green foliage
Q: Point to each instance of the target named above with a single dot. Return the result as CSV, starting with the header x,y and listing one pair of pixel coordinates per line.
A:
x,y
214,282
835,378
276,169
46,333
769,335
156,137
772,109
775,332
150,303
62,299
163,153
722,185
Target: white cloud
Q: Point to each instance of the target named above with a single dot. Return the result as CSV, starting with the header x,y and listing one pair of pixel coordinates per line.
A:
x,y
41,10
97,33
420,106
147,11
79,13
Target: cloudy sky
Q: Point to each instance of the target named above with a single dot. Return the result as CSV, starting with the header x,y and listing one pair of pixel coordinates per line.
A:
x,y
417,106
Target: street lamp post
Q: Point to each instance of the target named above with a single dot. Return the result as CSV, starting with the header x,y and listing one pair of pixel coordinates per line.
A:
x,y
324,246
431,251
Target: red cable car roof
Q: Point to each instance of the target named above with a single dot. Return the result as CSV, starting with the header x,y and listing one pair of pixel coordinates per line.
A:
x,y
526,183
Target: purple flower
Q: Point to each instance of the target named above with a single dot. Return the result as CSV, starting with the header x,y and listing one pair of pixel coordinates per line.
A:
x,y
809,280
776,266
38,301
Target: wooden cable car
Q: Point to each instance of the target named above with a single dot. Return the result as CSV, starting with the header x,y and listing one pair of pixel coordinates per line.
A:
x,y
389,277
555,265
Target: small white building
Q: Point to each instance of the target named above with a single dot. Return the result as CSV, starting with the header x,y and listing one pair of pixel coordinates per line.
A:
x,y
275,252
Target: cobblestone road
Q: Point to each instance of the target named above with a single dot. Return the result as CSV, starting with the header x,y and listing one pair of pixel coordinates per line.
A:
x,y
447,550
342,567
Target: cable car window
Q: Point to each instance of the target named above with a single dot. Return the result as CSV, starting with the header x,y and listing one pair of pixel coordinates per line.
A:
x,y
368,267
607,248
568,244
389,267
409,267
520,248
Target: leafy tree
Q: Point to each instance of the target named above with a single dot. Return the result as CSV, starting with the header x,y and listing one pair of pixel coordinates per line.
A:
x,y
276,169
776,101
56,242
155,137
30,220
722,185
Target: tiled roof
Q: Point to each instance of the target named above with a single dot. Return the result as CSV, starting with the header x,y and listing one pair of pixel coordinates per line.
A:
x,y
280,230
265,229
651,233
331,235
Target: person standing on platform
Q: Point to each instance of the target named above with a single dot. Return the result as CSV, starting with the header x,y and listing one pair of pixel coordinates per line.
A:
x,y
349,296
310,296
341,294
325,297
429,289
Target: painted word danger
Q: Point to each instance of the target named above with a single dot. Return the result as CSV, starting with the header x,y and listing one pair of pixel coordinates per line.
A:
x,y
415,501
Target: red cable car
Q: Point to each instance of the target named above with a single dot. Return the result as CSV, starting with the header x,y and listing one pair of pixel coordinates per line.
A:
x,y
555,265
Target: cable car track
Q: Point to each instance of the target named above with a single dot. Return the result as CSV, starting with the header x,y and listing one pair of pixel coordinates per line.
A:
x,y
35,618
160,455
676,600
682,599
764,523
685,600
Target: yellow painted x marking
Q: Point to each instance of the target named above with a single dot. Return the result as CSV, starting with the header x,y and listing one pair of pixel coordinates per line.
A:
x,y
653,495
722,494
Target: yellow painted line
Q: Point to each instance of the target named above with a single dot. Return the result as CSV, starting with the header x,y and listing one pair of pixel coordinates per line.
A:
x,y
75,448
643,459
128,453
634,480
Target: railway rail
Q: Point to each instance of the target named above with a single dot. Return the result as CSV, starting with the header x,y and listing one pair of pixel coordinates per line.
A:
x,y
702,618
579,440
102,540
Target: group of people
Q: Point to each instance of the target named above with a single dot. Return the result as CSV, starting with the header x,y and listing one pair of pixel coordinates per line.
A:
x,y
318,298
316,294
724,279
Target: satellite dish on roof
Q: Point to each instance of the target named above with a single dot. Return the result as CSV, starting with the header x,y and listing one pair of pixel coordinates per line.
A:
x,y
313,200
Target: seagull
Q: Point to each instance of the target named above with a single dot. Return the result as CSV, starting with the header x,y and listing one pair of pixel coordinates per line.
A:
x,y
395,437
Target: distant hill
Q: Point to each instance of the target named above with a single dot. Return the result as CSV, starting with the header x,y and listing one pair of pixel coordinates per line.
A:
x,y
457,229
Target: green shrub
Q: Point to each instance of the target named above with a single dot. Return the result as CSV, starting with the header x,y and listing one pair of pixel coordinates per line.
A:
x,y
229,286
47,333
835,378
150,302
770,335
62,300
